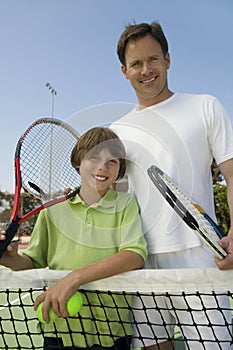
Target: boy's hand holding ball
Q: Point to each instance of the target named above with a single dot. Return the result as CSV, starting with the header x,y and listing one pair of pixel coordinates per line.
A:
x,y
73,306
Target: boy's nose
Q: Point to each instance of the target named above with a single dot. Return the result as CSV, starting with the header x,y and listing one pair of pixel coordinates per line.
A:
x,y
102,165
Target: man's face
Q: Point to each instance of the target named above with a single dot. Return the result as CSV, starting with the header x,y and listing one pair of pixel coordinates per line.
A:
x,y
146,68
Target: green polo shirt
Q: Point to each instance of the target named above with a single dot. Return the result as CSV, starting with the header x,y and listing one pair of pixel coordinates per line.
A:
x,y
71,235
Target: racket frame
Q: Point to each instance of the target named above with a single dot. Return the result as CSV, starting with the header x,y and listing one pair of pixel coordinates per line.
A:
x,y
166,186
15,220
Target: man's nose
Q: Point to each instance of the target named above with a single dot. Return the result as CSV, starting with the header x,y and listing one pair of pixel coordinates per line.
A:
x,y
146,68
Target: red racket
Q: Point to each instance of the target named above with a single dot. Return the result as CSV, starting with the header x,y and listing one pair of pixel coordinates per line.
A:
x,y
43,169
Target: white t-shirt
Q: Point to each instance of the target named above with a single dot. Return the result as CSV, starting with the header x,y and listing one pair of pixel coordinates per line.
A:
x,y
181,135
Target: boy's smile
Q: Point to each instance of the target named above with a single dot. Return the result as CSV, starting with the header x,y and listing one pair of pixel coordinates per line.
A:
x,y
100,178
98,171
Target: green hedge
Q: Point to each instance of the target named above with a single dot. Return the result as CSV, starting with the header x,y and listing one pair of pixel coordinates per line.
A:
x,y
221,206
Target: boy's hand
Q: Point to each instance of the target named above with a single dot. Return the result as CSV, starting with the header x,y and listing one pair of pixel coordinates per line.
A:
x,y
57,296
11,250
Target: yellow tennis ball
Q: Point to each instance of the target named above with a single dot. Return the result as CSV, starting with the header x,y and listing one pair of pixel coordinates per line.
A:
x,y
74,304
52,316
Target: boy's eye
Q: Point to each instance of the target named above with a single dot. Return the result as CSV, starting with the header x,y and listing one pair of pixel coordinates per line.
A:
x,y
93,157
113,161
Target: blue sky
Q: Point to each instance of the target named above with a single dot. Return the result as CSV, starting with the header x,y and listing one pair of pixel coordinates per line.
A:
x,y
72,45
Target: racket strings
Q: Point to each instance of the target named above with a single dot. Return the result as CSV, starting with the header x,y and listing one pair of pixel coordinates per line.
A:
x,y
186,201
46,169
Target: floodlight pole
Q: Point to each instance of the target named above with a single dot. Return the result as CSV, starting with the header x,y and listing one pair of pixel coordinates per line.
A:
x,y
53,92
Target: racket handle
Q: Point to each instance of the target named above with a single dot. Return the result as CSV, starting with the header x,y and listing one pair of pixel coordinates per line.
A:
x,y
11,230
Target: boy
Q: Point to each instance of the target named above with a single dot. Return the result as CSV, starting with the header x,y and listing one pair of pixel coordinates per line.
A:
x,y
96,234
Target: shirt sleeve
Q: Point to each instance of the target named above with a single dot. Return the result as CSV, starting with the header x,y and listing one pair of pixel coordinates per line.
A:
x,y
38,246
132,237
220,132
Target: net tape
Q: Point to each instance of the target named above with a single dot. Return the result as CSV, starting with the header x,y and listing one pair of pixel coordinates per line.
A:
x,y
19,327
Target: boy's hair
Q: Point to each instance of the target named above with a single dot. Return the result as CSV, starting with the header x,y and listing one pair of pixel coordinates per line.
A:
x,y
93,141
134,32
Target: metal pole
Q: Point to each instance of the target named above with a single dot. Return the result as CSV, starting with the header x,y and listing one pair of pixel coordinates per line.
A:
x,y
53,92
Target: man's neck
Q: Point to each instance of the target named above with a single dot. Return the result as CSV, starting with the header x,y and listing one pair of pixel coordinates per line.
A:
x,y
152,102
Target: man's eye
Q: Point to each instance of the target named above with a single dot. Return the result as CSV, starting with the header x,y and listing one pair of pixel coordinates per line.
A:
x,y
154,59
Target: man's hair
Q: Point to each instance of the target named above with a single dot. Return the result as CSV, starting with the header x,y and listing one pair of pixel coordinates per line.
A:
x,y
94,141
133,32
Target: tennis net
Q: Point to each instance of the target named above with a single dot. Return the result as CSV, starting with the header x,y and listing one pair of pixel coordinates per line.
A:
x,y
199,302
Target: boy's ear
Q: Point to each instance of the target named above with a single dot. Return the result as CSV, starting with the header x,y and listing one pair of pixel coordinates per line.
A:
x,y
75,166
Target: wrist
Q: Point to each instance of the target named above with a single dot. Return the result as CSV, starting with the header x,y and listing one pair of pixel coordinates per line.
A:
x,y
77,280
230,233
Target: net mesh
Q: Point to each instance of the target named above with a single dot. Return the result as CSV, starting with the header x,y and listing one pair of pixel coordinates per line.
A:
x,y
199,302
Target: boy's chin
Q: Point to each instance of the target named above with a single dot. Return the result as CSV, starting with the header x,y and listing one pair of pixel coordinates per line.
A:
x,y
101,190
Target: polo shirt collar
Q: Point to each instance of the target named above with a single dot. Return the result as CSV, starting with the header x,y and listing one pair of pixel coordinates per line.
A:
x,y
107,201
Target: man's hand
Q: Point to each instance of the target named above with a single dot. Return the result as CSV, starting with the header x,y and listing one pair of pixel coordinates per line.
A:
x,y
227,263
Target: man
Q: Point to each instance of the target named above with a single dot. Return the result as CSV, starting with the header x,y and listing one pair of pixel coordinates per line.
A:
x,y
181,133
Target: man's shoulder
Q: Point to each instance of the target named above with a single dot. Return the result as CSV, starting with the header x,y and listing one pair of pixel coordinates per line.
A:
x,y
191,96
124,119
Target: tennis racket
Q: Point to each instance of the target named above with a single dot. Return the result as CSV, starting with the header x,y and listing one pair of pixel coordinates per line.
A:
x,y
192,214
43,169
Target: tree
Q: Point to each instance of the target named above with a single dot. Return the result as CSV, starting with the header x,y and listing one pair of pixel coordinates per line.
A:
x,y
27,204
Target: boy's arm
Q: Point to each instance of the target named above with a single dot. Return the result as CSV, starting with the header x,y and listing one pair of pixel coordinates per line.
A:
x,y
59,294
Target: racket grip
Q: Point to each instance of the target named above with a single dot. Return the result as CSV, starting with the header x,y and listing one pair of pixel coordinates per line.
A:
x,y
11,230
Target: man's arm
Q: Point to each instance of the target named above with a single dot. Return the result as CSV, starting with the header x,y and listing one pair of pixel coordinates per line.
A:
x,y
226,243
226,169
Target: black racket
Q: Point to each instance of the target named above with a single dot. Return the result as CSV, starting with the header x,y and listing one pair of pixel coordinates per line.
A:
x,y
192,214
43,169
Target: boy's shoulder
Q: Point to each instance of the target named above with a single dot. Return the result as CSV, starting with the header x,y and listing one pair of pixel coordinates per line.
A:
x,y
123,197
119,194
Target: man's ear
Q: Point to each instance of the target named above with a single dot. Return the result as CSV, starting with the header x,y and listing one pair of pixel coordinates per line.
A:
x,y
168,60
124,71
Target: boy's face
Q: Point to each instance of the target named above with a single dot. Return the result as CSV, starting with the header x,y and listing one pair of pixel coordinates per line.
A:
x,y
99,171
